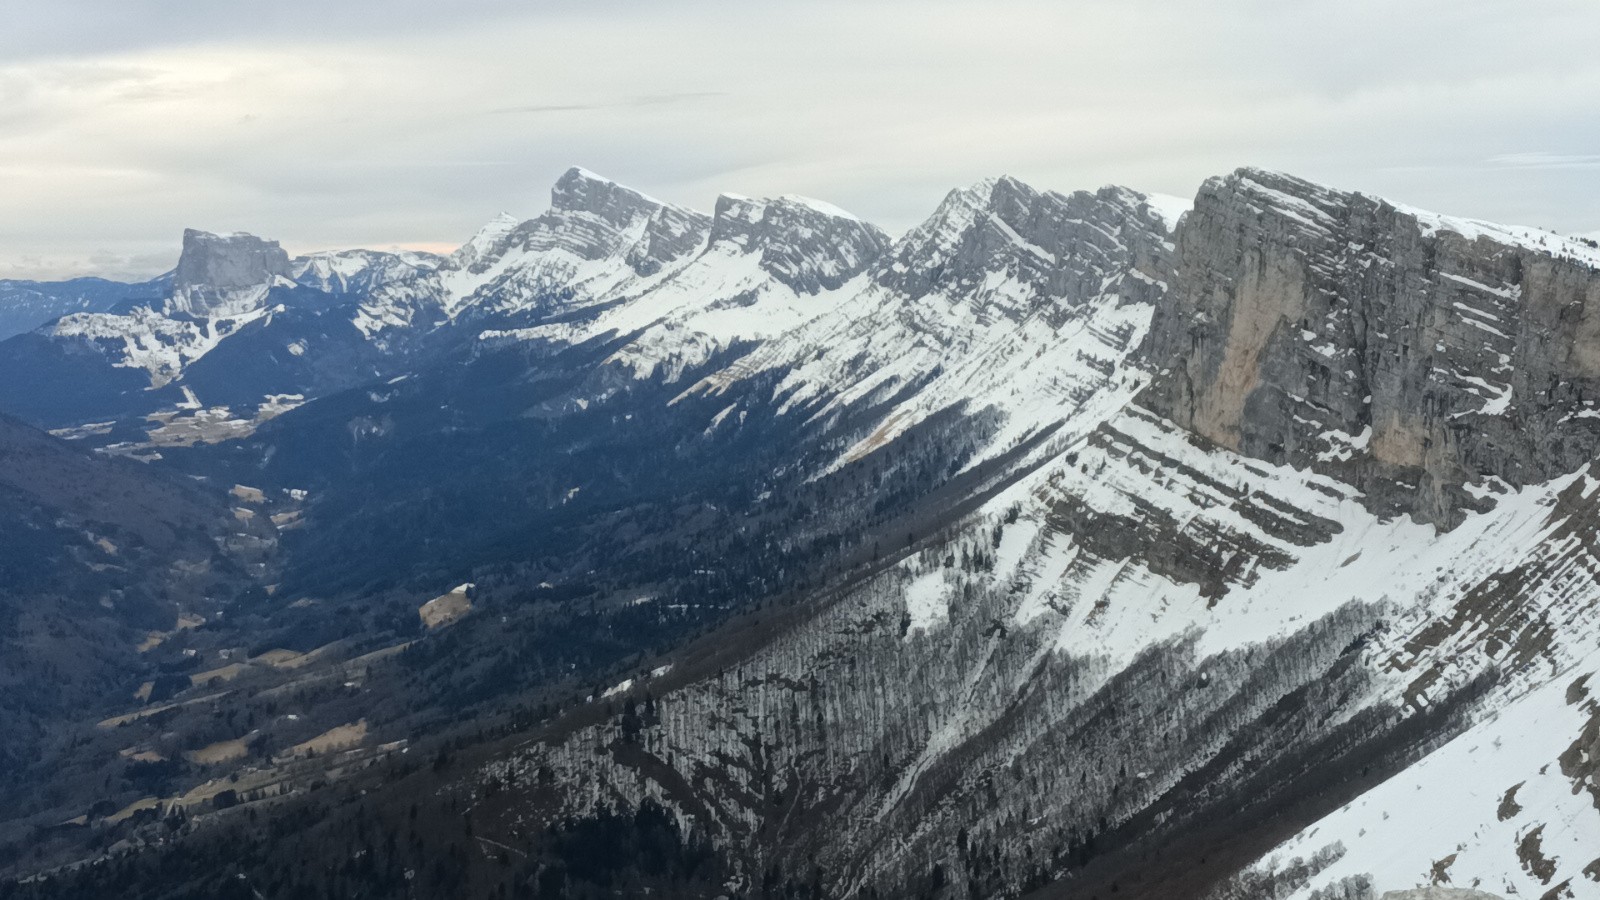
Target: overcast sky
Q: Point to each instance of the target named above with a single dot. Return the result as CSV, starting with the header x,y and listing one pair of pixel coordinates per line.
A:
x,y
379,123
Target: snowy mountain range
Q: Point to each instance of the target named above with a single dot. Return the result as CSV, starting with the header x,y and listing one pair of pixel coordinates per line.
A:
x,y
1082,544
26,305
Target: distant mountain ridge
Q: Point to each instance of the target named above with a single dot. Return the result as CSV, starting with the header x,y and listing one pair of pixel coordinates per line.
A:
x,y
26,305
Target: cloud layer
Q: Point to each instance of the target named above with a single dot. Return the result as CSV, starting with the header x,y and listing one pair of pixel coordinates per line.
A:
x,y
408,123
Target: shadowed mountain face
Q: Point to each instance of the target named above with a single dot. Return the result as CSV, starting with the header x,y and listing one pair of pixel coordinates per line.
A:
x,y
95,555
26,305
1063,546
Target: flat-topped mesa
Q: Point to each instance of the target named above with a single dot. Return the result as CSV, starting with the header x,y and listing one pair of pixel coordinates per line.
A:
x,y
809,245
1063,247
215,269
1410,353
593,218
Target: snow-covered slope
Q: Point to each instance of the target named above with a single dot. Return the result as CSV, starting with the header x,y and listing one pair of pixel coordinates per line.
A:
x,y
359,271
225,287
1007,299
768,267
1126,623
1307,563
597,241
1508,807
144,338
222,283
26,305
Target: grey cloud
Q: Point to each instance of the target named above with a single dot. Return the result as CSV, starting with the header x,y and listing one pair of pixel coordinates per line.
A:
x,y
56,28
410,122
117,266
625,103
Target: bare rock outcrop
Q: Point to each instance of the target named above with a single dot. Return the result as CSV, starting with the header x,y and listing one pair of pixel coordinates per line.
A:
x,y
219,272
1411,354
806,244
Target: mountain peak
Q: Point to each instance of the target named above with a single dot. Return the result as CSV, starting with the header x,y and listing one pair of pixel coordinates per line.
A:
x,y
613,212
1005,226
580,190
807,244
964,206
491,235
1298,198
820,206
734,210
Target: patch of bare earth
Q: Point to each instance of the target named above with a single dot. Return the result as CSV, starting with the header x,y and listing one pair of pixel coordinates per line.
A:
x,y
338,738
446,609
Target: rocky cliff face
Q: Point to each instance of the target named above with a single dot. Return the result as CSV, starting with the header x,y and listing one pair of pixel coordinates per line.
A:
x,y
593,218
220,274
1423,358
1056,245
808,245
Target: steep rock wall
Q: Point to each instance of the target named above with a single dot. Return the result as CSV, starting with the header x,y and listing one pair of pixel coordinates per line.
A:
x,y
1411,354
